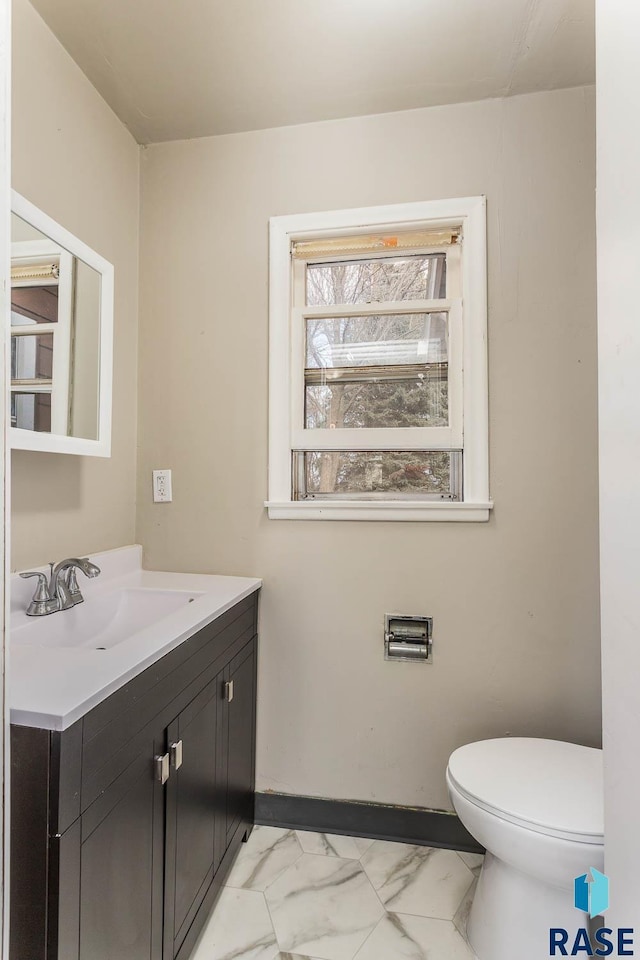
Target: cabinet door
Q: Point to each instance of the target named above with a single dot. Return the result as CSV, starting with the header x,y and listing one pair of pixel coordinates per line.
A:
x,y
121,865
194,802
241,698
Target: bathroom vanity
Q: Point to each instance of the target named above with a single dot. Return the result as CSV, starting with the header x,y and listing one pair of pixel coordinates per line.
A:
x,y
128,808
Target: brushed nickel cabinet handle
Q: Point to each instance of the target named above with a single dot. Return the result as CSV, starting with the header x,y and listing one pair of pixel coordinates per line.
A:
x,y
175,750
228,691
162,768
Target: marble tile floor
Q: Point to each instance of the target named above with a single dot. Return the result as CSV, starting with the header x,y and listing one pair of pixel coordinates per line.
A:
x,y
296,895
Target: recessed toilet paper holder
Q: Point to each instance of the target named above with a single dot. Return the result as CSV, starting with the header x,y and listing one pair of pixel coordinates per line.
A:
x,y
408,638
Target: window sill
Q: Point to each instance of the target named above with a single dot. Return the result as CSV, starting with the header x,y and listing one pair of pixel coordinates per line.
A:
x,y
378,510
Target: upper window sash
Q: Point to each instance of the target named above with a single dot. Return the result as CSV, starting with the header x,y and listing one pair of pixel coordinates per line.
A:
x,y
389,438
452,252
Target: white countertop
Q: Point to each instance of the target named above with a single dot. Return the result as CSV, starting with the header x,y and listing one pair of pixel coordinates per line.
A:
x,y
52,687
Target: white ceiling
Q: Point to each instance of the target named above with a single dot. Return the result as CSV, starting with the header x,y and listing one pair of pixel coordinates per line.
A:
x,y
174,69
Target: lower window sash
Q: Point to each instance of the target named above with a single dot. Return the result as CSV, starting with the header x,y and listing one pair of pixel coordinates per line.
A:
x,y
370,475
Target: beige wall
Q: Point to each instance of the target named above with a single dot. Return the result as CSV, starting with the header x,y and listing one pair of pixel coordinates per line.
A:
x,y
515,601
73,158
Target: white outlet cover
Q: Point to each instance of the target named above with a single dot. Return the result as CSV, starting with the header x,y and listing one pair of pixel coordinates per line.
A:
x,y
162,492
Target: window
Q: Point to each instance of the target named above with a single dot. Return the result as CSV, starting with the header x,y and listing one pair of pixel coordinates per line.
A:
x,y
378,371
41,307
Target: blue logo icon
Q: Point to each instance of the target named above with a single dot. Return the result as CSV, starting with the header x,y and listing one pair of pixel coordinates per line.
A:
x,y
592,896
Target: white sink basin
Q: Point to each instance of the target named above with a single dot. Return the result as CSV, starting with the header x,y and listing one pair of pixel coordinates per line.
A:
x,y
64,664
103,621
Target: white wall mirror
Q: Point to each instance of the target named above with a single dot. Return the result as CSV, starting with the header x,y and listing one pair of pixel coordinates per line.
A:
x,y
61,338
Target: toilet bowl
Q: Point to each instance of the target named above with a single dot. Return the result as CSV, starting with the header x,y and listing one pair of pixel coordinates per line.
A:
x,y
537,808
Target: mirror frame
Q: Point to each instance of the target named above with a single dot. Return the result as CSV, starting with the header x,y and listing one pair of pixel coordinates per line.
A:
x,y
55,442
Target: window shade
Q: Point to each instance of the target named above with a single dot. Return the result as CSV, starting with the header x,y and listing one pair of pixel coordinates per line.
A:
x,y
373,243
35,271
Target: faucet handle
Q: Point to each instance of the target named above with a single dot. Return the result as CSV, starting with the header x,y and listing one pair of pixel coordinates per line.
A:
x,y
72,583
42,590
70,579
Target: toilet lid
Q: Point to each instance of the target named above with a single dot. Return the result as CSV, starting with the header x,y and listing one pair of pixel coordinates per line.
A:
x,y
545,785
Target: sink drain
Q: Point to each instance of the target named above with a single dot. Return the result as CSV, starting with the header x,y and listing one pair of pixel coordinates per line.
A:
x,y
101,648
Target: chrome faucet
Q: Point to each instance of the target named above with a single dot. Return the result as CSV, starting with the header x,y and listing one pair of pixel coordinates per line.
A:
x,y
60,591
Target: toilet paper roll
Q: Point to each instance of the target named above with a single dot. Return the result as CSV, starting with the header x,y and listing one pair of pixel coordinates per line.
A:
x,y
412,651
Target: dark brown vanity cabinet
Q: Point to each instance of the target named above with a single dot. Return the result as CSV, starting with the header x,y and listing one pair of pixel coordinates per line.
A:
x,y
108,861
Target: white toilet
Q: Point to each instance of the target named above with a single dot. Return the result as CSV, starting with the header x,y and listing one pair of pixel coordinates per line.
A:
x,y
537,807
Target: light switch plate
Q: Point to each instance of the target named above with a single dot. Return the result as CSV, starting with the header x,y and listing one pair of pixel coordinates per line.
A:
x,y
162,486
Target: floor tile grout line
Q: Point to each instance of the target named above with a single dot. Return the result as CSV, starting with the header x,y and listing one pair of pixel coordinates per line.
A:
x,y
273,926
369,935
282,872
271,882
464,895
343,836
423,916
459,854
370,882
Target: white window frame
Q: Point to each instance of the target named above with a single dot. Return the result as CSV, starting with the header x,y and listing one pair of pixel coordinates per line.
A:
x,y
33,253
469,426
